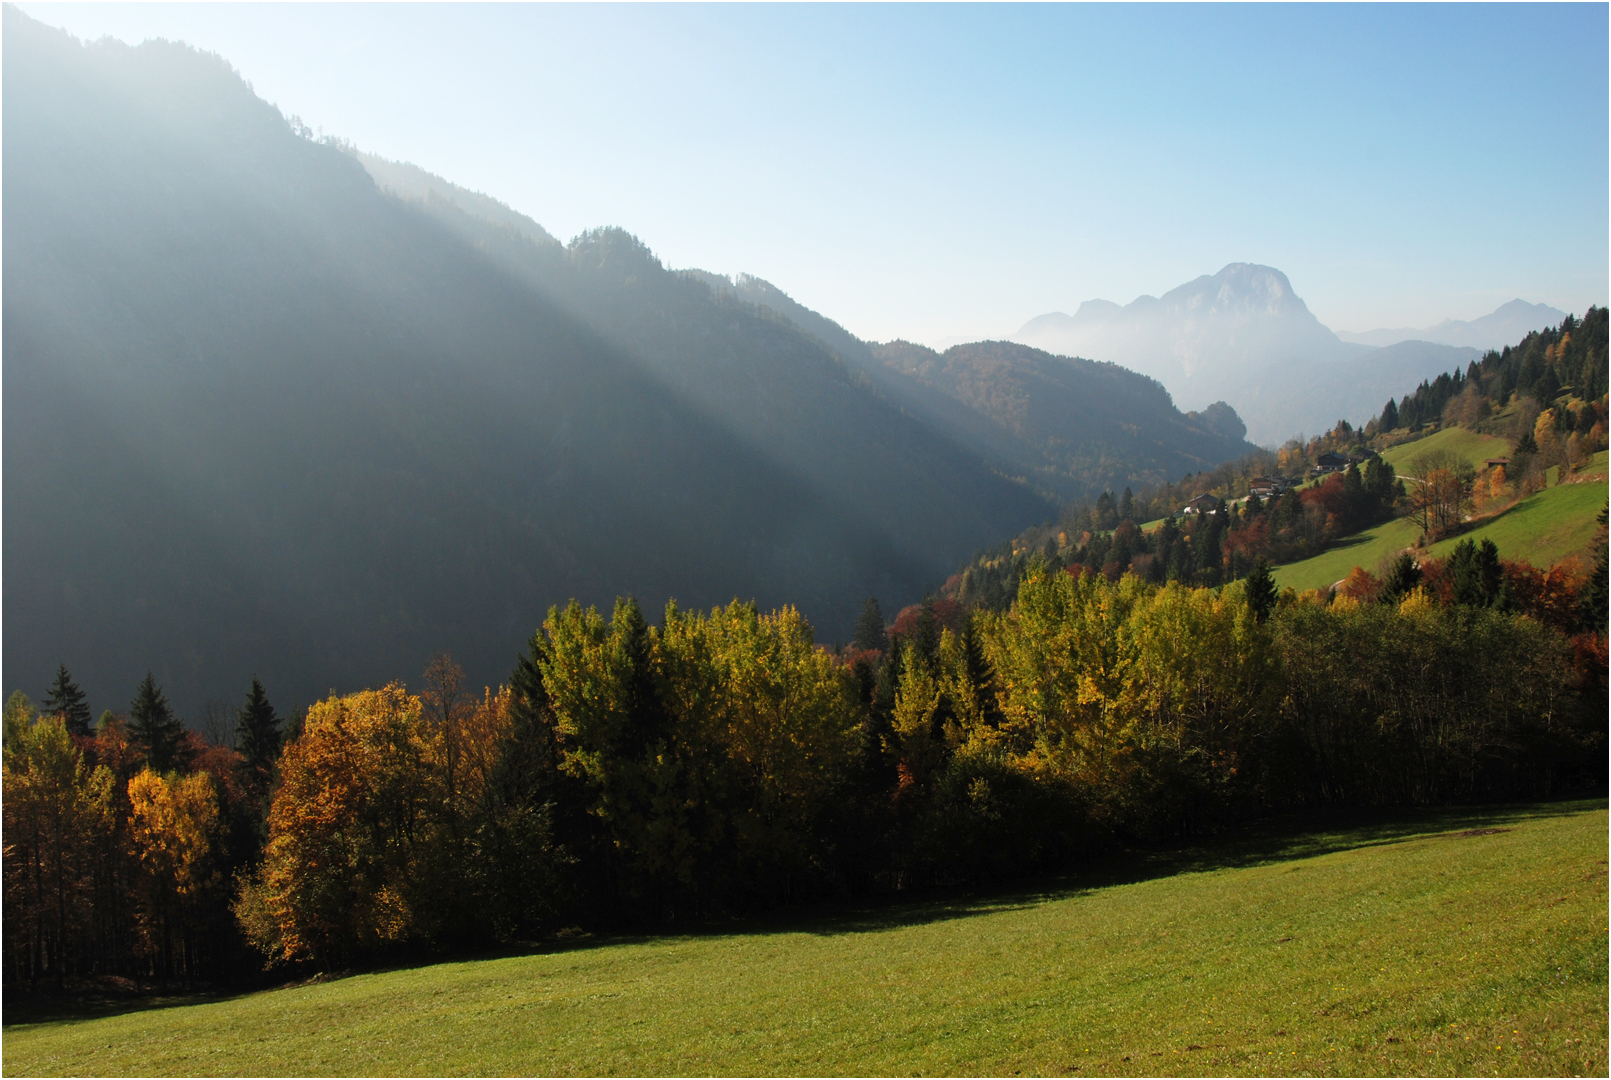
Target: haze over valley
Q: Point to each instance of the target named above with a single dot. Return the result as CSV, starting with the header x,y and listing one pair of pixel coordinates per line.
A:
x,y
278,403
508,500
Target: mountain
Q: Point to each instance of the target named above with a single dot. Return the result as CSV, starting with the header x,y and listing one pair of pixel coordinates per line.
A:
x,y
1311,398
1076,427
1202,340
1506,324
263,416
1244,337
1070,428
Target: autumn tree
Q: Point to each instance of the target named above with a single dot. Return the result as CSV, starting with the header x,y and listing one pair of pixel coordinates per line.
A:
x,y
173,821
54,806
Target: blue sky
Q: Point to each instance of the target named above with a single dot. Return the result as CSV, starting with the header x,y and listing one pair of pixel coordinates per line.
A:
x,y
936,172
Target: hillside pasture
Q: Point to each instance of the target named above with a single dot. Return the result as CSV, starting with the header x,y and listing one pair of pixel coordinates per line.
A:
x,y
1468,942
1542,529
1467,446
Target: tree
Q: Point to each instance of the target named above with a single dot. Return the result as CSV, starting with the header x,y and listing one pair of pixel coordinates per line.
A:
x,y
171,822
53,805
1389,420
1439,493
1106,516
1594,595
67,701
1127,506
154,726
1261,591
1475,576
1402,579
870,627
257,732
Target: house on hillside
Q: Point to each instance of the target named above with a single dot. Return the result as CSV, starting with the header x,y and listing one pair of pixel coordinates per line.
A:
x,y
1266,486
1203,504
1494,462
1328,463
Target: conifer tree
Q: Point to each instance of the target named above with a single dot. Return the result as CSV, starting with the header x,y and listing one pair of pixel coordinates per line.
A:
x,y
1400,581
1475,573
67,701
1127,506
926,638
257,731
153,725
870,627
1261,590
1389,421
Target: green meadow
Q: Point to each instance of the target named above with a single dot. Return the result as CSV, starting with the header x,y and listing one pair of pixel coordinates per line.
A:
x,y
1466,942
1542,529
1468,446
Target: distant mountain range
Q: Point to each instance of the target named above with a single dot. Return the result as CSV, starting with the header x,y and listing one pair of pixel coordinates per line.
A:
x,y
1506,325
275,406
1244,336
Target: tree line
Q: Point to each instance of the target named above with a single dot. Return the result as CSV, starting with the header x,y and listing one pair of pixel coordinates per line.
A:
x,y
723,761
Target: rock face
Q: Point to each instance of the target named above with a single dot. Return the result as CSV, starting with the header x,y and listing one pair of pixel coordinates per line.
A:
x,y
1206,340
1245,337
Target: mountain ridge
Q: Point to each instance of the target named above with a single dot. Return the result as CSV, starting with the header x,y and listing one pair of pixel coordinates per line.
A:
x,y
1244,335
261,415
1506,324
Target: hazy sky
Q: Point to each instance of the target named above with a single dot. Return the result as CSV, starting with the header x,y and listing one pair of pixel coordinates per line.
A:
x,y
951,171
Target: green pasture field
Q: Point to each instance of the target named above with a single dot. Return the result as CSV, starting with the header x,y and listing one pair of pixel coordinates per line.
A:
x,y
1469,446
1542,529
1365,549
1468,942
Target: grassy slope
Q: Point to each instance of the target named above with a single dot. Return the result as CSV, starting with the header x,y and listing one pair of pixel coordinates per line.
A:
x,y
1468,446
1362,549
1404,949
1542,529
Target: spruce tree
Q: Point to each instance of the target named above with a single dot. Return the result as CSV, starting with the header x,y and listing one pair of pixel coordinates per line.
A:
x,y
1389,421
1127,506
1261,590
1475,573
870,627
257,731
67,701
926,637
153,725
1401,580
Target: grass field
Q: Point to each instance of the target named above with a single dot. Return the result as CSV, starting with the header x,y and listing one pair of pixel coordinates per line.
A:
x,y
1542,529
1365,549
1442,943
1468,446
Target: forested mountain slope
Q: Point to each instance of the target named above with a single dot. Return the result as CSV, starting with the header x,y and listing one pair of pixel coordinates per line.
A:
x,y
1069,427
261,415
1083,426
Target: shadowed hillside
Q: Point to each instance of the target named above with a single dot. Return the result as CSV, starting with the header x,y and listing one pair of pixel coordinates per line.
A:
x,y
261,415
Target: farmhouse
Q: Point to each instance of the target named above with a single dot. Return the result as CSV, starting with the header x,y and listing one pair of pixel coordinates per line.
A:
x,y
1203,504
1328,463
1265,486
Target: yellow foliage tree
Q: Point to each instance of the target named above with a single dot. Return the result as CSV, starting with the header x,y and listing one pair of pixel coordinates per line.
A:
x,y
172,820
